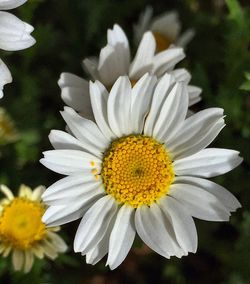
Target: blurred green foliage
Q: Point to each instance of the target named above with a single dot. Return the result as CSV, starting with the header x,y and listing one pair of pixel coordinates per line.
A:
x,y
219,60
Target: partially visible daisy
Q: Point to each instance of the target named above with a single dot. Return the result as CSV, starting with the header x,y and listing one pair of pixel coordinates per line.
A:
x,y
140,168
22,231
14,35
165,28
8,132
115,61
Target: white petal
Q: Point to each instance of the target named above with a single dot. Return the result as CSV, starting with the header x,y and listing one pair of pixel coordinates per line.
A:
x,y
10,4
57,215
122,236
208,163
116,36
162,90
72,188
67,162
29,260
110,67
185,38
17,259
143,24
182,223
142,62
57,242
86,131
225,197
181,75
119,103
91,67
6,191
196,133
142,94
118,39
164,61
14,33
49,250
101,249
37,193
173,112
156,231
75,93
167,24
194,94
63,140
94,224
199,203
5,77
99,98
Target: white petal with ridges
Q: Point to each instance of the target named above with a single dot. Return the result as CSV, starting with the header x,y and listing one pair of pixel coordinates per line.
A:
x,y
94,224
110,67
141,99
57,215
209,162
196,133
225,197
101,249
173,112
164,61
199,203
151,227
162,90
182,222
119,103
72,188
122,236
86,131
142,62
14,33
75,93
99,97
63,140
68,162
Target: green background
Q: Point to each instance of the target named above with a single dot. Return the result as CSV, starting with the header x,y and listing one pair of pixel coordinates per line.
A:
x,y
218,58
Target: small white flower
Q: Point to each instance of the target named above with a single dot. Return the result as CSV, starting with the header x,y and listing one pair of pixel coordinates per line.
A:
x,y
22,232
14,35
115,61
140,168
166,29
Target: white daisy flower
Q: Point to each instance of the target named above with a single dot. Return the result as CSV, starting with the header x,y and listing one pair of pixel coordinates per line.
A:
x,y
22,231
165,28
14,35
115,61
139,169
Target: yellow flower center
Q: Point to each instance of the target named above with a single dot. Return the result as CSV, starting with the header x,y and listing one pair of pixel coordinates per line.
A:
x,y
162,42
137,170
20,223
